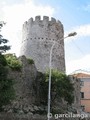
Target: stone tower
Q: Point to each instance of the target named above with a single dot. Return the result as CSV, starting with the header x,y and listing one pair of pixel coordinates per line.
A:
x,y
38,36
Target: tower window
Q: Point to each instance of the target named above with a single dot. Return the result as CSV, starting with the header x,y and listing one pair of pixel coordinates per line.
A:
x,y
82,94
83,107
81,83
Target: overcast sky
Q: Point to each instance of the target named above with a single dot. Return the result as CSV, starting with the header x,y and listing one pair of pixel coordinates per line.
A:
x,y
74,15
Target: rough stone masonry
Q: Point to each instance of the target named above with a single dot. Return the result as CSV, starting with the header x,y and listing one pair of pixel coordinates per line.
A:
x,y
38,38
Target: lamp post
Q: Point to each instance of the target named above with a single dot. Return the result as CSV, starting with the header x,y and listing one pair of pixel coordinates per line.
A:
x,y
50,68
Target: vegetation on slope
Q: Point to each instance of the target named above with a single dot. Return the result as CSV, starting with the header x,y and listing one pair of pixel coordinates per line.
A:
x,y
7,92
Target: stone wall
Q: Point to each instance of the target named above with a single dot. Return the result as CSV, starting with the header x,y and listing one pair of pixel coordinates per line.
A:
x,y
37,39
24,80
26,106
77,89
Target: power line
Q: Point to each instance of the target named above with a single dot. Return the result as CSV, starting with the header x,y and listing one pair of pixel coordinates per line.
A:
x,y
78,48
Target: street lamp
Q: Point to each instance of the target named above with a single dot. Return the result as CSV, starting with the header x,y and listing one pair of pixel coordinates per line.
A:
x,y
50,67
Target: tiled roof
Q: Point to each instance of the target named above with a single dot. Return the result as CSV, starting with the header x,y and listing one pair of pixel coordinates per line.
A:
x,y
81,75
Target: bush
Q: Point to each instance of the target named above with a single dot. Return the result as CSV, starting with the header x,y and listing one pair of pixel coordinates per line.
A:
x,y
13,62
3,60
30,61
7,92
61,87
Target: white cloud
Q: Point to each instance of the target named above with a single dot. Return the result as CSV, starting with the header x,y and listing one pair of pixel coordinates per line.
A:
x,y
83,63
16,15
82,31
1,11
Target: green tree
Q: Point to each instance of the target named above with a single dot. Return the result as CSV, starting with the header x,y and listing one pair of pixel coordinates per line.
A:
x,y
13,62
3,41
7,92
61,87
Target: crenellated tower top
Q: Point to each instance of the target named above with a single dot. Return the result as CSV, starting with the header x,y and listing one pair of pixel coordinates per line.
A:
x,y
45,20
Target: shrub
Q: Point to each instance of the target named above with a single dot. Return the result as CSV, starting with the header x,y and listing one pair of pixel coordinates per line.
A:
x,y
30,61
7,92
3,60
61,87
13,62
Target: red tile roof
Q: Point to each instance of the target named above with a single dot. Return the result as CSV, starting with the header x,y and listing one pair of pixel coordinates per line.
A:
x,y
81,75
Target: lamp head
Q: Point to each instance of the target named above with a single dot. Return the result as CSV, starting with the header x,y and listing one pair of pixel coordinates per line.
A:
x,y
72,34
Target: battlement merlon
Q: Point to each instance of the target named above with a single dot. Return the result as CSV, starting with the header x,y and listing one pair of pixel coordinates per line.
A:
x,y
30,21
38,20
53,19
59,23
25,23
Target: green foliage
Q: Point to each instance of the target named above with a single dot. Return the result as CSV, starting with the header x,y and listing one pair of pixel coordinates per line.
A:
x,y
61,87
13,62
3,60
3,72
30,61
7,92
3,48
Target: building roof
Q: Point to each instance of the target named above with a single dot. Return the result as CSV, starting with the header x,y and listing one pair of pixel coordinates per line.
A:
x,y
81,75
